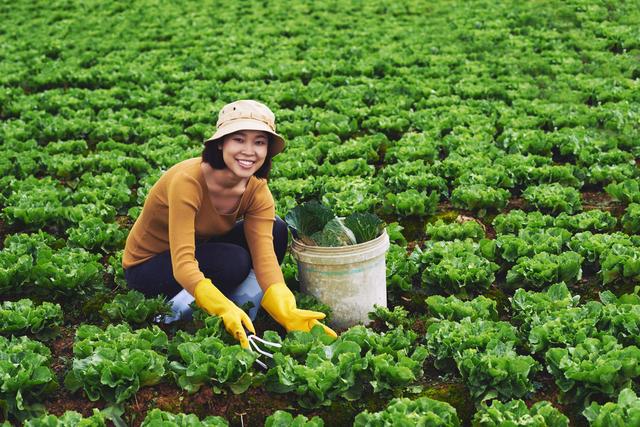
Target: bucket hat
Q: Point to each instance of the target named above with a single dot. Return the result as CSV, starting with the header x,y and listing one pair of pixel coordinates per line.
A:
x,y
247,114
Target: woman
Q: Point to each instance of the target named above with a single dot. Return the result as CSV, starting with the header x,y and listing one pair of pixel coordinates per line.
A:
x,y
187,241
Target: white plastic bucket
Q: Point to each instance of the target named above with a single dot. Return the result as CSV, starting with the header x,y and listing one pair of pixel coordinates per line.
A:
x,y
349,279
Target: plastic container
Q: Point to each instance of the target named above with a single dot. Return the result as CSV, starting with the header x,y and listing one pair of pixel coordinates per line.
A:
x,y
349,279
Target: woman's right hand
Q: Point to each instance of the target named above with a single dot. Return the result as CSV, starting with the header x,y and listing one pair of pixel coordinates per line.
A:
x,y
209,298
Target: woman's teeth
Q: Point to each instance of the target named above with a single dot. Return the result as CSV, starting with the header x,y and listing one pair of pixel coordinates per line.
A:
x,y
246,163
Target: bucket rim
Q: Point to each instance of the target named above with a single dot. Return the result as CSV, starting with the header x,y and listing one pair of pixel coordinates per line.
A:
x,y
338,249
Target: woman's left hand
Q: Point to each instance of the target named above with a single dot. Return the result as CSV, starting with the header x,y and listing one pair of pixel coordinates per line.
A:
x,y
279,302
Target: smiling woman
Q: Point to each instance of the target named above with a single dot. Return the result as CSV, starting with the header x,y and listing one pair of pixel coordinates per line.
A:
x,y
212,220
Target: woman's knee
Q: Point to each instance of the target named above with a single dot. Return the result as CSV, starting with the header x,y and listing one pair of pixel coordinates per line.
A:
x,y
225,264
280,238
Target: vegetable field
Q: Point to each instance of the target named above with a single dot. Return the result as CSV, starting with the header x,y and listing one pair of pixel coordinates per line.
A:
x,y
499,141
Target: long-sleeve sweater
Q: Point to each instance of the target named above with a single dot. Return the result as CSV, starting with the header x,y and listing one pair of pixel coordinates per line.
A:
x,y
178,212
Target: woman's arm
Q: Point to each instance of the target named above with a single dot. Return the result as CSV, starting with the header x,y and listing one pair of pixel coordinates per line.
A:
x,y
184,196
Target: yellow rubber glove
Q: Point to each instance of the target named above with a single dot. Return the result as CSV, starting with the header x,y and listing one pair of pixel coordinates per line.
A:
x,y
279,302
209,298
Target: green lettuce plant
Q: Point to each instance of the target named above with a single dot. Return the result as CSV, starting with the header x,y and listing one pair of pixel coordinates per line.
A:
x,y
404,411
624,412
285,419
24,317
26,377
157,417
516,414
113,364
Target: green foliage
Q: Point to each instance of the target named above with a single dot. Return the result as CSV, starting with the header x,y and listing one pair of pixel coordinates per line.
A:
x,y
285,419
23,317
39,264
95,234
498,371
455,230
113,364
25,377
451,308
134,308
207,358
620,262
454,268
411,203
515,413
593,365
365,226
308,219
318,369
394,230
553,198
530,242
157,418
479,197
403,411
626,412
445,339
399,316
594,220
515,220
68,419
544,269
315,224
627,191
631,219
401,268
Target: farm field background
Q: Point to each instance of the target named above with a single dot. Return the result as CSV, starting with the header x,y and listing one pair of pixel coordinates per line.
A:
x,y
499,140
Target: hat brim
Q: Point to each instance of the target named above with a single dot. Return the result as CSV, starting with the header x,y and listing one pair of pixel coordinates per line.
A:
x,y
249,124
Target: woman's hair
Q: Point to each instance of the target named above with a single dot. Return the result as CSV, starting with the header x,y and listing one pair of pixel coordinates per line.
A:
x,y
213,156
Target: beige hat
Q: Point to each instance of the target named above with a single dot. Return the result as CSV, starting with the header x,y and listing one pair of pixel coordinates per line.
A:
x,y
247,114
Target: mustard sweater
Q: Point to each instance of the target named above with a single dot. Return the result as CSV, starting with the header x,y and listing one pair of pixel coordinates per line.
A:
x,y
178,213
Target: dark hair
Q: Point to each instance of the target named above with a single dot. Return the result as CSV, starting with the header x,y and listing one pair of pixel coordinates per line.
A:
x,y
213,156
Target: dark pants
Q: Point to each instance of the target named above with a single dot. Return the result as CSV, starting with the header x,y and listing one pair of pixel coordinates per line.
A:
x,y
223,259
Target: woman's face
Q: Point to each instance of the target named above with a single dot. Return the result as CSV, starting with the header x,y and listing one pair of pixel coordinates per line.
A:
x,y
245,151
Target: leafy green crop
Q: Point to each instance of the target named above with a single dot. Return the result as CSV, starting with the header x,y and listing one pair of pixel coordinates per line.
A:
x,y
454,268
544,269
95,234
479,197
465,230
114,363
631,219
39,264
445,339
68,419
403,411
159,418
496,371
411,203
620,262
315,224
515,220
451,308
626,412
134,308
593,365
204,358
627,191
23,317
285,419
553,198
401,268
515,414
318,370
530,242
25,377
